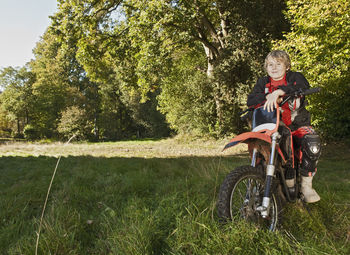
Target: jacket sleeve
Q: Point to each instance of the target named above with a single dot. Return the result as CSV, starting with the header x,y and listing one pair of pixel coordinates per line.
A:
x,y
295,81
257,96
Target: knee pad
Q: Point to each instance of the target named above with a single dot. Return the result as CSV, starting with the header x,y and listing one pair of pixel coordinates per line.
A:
x,y
311,147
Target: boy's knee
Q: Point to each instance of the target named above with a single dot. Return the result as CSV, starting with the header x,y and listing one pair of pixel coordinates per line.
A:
x,y
311,146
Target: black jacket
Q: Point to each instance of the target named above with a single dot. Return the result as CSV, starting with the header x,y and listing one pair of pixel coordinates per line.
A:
x,y
295,81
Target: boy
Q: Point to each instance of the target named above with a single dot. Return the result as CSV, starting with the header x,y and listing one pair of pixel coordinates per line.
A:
x,y
269,91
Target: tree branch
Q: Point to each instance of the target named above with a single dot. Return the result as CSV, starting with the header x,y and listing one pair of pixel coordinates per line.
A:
x,y
212,30
202,38
108,9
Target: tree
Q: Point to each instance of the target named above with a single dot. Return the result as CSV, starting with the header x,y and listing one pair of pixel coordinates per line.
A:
x,y
143,47
232,34
186,96
102,50
114,60
319,46
5,123
74,122
17,95
51,88
61,80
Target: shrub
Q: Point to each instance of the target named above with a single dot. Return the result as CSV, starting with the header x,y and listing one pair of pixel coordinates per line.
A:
x,y
74,122
31,132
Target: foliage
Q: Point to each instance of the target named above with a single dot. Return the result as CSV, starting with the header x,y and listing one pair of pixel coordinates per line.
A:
x,y
148,120
51,87
319,46
225,40
101,55
186,97
74,123
17,96
70,72
30,132
115,59
5,124
136,67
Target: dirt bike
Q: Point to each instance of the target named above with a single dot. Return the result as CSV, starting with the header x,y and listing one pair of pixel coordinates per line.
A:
x,y
256,192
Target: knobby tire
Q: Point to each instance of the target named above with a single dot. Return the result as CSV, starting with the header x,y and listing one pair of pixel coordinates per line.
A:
x,y
240,184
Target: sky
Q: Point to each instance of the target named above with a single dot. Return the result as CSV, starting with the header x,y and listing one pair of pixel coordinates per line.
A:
x,y
22,23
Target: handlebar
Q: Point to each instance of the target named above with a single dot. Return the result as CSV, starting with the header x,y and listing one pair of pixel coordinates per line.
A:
x,y
311,91
245,114
300,93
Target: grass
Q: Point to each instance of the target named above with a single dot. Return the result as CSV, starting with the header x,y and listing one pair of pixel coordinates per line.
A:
x,y
155,197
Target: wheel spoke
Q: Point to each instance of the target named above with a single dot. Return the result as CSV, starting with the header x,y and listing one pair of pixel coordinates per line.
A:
x,y
244,199
241,194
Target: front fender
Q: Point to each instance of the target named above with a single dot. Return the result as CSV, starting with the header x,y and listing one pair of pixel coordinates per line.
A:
x,y
242,138
247,138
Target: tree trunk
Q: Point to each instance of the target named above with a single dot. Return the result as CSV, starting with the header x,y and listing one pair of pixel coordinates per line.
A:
x,y
216,88
96,130
18,127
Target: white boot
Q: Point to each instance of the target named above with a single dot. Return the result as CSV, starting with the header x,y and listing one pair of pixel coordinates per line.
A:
x,y
310,195
290,183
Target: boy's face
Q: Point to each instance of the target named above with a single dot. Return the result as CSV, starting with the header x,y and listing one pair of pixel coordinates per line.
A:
x,y
276,69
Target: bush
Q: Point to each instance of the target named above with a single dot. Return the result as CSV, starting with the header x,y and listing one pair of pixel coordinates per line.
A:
x,y
31,132
74,122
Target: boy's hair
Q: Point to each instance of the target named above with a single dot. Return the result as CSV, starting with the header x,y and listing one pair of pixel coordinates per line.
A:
x,y
280,55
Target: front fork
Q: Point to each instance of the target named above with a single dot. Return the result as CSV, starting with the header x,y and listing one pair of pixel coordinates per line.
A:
x,y
270,172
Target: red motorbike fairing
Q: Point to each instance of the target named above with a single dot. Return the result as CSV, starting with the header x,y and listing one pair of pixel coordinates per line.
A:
x,y
249,135
250,138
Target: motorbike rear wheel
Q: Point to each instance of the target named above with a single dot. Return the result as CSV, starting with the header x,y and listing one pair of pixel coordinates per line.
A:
x,y
240,195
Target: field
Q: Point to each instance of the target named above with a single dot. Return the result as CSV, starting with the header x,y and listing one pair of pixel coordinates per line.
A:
x,y
155,197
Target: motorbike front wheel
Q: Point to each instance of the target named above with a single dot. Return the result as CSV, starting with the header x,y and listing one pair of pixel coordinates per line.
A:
x,y
241,194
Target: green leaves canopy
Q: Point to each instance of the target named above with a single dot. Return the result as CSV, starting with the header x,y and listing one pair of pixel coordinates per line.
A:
x,y
320,48
194,61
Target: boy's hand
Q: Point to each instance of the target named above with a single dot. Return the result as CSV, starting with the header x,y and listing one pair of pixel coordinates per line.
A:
x,y
272,100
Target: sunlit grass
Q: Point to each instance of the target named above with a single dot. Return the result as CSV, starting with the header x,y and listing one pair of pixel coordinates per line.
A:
x,y
146,148
157,198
